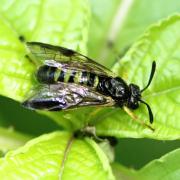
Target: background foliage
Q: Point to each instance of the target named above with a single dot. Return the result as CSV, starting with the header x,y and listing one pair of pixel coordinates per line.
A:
x,y
105,30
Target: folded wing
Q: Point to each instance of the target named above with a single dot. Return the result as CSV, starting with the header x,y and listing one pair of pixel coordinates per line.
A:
x,y
65,96
57,56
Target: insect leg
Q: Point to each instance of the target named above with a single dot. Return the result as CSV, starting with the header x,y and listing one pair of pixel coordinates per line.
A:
x,y
135,118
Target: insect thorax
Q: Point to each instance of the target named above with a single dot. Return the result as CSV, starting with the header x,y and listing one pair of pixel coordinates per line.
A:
x,y
116,88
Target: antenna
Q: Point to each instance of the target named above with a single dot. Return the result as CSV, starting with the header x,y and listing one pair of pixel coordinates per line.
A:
x,y
151,76
149,110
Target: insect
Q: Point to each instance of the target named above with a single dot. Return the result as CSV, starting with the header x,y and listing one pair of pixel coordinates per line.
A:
x,y
69,80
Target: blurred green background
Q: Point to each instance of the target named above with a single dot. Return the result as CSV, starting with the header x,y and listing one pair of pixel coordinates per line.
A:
x,y
130,152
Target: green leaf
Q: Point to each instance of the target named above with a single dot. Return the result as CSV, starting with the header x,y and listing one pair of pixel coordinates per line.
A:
x,y
56,156
143,17
161,42
62,22
129,20
167,167
56,22
123,173
10,139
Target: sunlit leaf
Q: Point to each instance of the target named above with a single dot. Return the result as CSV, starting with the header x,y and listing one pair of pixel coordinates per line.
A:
x,y
36,21
167,167
56,156
161,43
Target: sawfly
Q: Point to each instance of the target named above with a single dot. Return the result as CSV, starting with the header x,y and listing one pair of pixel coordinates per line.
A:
x,y
70,80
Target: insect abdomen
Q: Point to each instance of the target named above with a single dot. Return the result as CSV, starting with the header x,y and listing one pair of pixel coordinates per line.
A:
x,y
89,79
51,75
45,74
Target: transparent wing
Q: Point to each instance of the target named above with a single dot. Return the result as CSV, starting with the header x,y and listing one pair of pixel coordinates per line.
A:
x,y
64,96
63,57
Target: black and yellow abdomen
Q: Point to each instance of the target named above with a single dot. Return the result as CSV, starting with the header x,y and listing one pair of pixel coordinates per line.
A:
x,y
52,75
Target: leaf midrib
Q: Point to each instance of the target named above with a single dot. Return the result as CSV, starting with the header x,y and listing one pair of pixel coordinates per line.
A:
x,y
66,151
